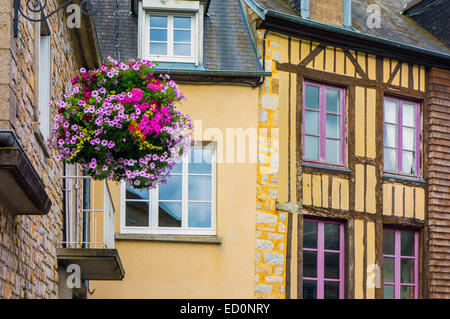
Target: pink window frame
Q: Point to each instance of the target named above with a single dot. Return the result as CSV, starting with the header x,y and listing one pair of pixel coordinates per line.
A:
x,y
322,125
397,263
400,126
320,250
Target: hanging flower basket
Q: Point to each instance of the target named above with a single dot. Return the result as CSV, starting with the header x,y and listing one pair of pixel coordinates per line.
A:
x,y
120,122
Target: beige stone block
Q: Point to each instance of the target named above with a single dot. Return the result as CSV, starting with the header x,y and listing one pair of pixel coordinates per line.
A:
x,y
5,67
5,30
6,6
265,269
274,279
4,102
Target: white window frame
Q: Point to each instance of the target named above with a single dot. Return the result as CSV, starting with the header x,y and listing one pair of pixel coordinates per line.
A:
x,y
44,83
171,8
153,205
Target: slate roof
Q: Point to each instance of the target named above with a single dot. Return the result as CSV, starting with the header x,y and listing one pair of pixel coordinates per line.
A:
x,y
394,25
433,15
227,42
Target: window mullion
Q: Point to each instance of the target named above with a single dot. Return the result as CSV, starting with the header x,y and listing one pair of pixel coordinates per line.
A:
x,y
320,260
397,268
170,35
341,261
416,265
184,195
322,123
342,131
154,204
400,137
418,128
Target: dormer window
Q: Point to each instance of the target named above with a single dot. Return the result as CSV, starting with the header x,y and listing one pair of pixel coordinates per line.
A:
x,y
171,31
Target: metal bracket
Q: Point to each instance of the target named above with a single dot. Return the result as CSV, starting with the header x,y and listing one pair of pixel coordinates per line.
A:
x,y
38,6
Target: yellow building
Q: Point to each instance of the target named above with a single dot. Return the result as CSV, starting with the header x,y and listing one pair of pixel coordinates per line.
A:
x,y
197,241
342,181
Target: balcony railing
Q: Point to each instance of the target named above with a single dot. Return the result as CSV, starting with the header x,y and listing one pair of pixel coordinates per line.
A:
x,y
89,228
89,213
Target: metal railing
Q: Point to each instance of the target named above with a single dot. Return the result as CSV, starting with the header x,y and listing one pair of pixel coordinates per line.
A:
x,y
89,212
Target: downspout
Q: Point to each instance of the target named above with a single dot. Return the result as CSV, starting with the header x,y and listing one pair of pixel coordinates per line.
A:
x,y
253,43
264,57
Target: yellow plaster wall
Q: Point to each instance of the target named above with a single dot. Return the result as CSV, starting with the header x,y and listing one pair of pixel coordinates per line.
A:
x,y
402,77
365,127
359,258
393,203
191,270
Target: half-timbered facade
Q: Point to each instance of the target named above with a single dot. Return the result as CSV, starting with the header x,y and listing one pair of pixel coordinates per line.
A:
x,y
351,164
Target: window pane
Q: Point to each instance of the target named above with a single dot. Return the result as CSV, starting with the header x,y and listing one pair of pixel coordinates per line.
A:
x,y
158,35
312,122
388,242
333,151
408,138
312,97
199,187
309,234
389,292
388,269
332,236
331,270
390,159
333,126
158,48
172,190
333,101
331,290
407,243
182,49
182,36
408,162
309,264
407,271
177,168
169,214
182,22
199,215
407,292
200,161
158,22
409,114
390,135
132,193
390,111
137,214
309,289
312,148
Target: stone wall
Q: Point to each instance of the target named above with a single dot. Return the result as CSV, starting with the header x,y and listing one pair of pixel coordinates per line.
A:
x,y
270,243
28,264
327,11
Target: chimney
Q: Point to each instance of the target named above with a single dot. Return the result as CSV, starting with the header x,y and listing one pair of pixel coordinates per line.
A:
x,y
335,12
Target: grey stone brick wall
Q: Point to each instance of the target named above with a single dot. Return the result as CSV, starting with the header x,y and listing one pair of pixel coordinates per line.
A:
x,y
28,262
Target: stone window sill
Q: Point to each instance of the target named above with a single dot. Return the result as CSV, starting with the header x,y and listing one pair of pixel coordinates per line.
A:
x,y
41,141
216,240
